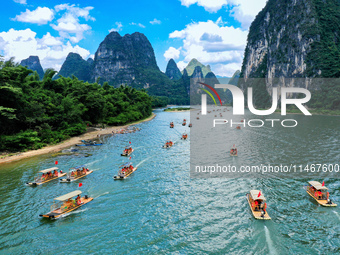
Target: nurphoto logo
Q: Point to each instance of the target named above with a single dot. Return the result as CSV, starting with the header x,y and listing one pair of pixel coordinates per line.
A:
x,y
238,104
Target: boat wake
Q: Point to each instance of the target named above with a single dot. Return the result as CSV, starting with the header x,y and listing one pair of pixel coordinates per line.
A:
x,y
105,193
91,163
271,247
337,215
95,169
73,212
142,161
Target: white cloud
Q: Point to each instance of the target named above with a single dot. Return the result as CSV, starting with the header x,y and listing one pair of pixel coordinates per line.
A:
x,y
118,27
52,51
155,22
137,24
226,70
76,11
20,1
245,11
211,37
41,15
69,25
178,34
209,5
172,53
213,43
182,64
49,40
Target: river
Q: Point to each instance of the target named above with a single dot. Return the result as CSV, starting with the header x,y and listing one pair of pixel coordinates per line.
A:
x,y
159,209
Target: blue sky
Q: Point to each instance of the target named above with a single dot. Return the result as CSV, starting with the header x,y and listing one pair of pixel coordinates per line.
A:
x,y
213,31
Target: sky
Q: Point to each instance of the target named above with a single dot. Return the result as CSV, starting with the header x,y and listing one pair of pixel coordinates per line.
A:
x,y
212,31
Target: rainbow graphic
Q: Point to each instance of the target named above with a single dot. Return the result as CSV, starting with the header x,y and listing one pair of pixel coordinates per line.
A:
x,y
208,92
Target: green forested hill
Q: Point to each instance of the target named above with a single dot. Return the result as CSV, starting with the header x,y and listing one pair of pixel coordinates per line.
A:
x,y
296,39
34,113
193,63
77,66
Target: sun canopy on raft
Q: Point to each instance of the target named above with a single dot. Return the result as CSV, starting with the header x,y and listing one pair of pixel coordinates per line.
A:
x,y
69,195
317,185
127,164
48,170
77,167
255,195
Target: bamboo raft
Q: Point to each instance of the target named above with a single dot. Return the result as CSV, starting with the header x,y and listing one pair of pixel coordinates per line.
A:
x,y
257,212
127,154
122,175
74,178
318,187
56,211
38,180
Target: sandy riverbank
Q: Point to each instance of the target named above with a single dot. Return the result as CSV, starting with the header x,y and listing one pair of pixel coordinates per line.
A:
x,y
69,142
180,110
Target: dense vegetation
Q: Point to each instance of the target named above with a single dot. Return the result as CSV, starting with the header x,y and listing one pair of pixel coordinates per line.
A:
x,y
159,86
34,113
192,65
77,66
325,55
261,97
311,21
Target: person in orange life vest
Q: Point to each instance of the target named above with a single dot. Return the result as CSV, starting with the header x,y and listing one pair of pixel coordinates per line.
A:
x,y
43,177
72,174
78,200
256,204
265,207
327,195
320,194
67,204
55,173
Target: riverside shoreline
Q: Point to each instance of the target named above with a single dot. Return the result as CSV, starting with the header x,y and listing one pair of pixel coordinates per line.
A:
x,y
68,143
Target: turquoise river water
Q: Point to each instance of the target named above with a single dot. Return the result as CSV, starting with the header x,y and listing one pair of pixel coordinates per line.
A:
x,y
159,209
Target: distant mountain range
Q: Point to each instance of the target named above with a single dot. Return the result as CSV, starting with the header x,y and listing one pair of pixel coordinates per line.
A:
x,y
190,68
130,60
33,63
